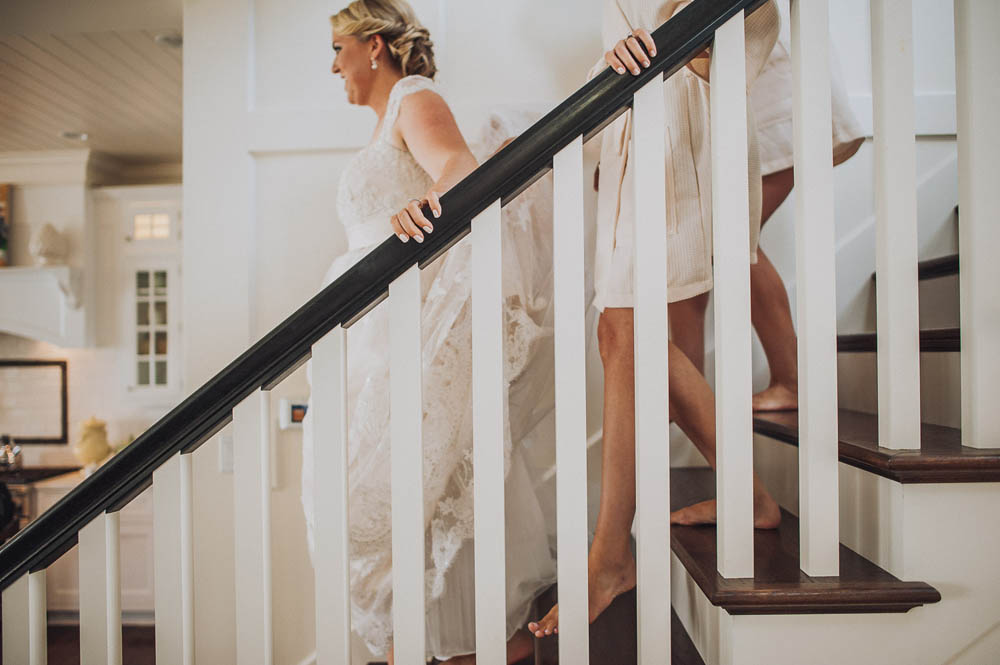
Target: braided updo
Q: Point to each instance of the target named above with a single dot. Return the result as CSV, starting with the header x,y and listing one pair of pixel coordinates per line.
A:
x,y
409,43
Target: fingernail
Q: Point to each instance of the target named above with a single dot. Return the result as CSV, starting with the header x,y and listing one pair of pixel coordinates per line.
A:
x,y
645,63
621,70
428,229
418,238
437,213
404,237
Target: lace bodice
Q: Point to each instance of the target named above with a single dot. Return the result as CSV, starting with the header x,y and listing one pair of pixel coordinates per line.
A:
x,y
381,179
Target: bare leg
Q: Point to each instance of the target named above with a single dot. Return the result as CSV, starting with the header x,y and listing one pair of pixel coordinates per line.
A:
x,y
611,568
687,328
771,313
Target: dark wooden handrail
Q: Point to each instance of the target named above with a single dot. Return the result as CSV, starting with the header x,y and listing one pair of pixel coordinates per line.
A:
x,y
288,346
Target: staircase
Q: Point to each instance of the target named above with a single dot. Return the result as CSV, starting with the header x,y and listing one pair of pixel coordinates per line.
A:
x,y
888,547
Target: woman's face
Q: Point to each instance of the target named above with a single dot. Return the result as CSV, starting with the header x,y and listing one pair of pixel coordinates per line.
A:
x,y
352,60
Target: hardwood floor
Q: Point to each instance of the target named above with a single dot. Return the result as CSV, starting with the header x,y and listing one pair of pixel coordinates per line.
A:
x,y
64,645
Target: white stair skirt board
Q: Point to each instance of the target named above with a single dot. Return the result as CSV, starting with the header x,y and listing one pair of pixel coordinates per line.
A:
x,y
896,224
815,297
406,419
571,403
100,592
16,633
652,417
731,242
977,53
329,418
488,437
252,507
172,561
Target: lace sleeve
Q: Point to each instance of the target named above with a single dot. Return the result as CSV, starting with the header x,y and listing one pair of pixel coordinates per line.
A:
x,y
404,86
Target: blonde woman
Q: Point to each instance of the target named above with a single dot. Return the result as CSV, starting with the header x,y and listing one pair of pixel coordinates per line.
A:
x,y
386,60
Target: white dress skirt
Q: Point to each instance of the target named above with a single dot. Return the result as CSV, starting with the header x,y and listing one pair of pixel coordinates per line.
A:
x,y
688,168
771,99
377,183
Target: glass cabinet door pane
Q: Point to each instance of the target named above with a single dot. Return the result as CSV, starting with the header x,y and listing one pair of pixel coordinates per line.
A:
x,y
160,282
161,372
161,313
142,344
142,283
161,343
143,374
142,313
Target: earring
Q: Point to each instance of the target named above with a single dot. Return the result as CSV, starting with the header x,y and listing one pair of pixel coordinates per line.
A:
x,y
374,64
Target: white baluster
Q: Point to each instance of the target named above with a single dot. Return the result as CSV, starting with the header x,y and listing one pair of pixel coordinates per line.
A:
x,y
407,465
100,592
652,415
488,437
173,559
731,242
819,514
329,422
896,225
16,615
38,624
252,506
571,403
977,55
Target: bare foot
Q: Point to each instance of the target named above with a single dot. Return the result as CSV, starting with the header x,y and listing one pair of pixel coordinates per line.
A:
x,y
608,578
777,397
766,513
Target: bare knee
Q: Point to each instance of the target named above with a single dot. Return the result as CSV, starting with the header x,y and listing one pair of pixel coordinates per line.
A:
x,y
614,334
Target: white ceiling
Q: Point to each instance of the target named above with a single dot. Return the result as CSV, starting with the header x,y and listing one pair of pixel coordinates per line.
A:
x,y
98,70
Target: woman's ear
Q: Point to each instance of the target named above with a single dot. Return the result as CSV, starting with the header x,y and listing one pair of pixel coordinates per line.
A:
x,y
377,45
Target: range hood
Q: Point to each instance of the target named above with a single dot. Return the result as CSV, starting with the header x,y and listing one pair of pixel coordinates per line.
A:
x,y
44,303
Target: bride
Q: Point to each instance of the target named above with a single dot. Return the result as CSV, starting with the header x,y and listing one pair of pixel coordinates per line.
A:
x,y
417,153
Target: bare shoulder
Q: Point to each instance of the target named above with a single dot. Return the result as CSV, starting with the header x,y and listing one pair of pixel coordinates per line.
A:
x,y
422,108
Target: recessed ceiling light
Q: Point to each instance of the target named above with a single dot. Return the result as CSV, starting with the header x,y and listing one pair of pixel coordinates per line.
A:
x,y
74,136
169,39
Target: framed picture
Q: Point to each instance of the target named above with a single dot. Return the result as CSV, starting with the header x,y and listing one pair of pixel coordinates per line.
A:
x,y
5,222
33,401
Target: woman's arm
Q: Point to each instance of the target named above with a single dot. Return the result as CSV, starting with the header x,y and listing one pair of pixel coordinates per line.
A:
x,y
430,133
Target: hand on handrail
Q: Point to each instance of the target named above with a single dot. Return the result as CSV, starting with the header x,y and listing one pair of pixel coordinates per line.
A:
x,y
629,52
409,221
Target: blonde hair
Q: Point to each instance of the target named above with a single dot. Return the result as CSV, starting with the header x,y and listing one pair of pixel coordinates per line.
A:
x,y
409,43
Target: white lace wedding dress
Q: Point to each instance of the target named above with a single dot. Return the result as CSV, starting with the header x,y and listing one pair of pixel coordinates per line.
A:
x,y
378,182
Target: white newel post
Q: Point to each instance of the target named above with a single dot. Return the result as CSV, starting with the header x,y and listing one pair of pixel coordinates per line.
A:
x,y
173,557
100,592
898,324
406,409
731,251
819,512
571,403
488,437
252,506
652,415
977,57
329,422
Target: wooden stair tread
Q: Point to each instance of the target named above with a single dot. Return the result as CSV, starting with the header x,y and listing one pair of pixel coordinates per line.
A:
x,y
941,457
613,635
779,586
931,340
941,266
